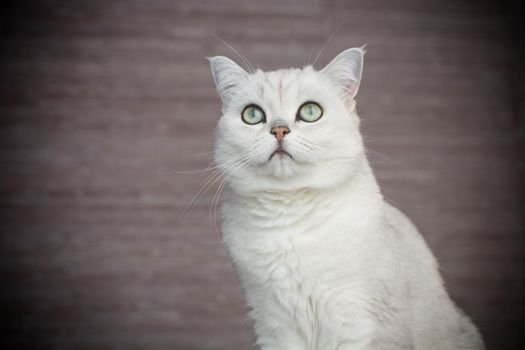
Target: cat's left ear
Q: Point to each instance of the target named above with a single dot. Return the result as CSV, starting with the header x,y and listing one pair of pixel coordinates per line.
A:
x,y
345,70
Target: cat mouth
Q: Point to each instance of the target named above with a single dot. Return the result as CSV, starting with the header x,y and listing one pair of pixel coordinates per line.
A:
x,y
280,152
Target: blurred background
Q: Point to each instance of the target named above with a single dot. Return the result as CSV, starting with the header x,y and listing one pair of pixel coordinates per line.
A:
x,y
103,101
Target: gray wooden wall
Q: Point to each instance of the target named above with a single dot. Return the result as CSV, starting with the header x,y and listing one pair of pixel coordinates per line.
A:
x,y
102,101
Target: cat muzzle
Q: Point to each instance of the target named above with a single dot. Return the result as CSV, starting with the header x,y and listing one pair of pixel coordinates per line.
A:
x,y
280,152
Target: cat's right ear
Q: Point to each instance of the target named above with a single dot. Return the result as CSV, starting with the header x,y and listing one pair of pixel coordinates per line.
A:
x,y
227,76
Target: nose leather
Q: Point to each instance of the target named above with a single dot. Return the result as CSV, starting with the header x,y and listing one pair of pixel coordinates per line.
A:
x,y
279,132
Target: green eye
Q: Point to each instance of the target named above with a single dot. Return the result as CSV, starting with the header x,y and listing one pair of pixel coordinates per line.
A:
x,y
253,114
309,112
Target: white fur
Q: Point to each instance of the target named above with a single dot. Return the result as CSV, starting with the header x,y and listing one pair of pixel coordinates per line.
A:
x,y
325,262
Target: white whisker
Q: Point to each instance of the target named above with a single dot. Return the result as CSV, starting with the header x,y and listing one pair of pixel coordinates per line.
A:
x,y
326,44
211,179
215,199
243,59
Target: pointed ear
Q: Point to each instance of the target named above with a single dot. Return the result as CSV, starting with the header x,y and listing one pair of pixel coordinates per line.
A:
x,y
345,70
227,75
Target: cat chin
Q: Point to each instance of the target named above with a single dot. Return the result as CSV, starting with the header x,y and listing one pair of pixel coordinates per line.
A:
x,y
282,166
285,175
280,154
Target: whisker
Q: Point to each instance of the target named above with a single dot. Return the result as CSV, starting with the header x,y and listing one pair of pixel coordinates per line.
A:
x,y
198,154
310,51
383,156
196,171
215,199
210,180
326,44
311,145
250,69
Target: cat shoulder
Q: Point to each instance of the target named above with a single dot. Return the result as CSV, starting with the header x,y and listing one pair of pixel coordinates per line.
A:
x,y
399,228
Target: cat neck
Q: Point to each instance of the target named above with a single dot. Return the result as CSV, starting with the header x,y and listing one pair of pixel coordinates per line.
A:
x,y
358,200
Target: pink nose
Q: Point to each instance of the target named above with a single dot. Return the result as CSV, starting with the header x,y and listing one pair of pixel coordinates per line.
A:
x,y
279,132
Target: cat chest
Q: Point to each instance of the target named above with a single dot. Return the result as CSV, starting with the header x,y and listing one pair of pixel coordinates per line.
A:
x,y
318,313
306,292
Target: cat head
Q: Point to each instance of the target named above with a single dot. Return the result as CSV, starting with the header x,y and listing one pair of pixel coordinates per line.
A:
x,y
288,129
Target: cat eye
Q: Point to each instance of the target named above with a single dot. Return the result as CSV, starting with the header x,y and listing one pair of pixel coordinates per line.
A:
x,y
309,112
253,114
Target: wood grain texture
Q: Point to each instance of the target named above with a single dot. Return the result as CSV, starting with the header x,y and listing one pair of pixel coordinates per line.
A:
x,y
102,101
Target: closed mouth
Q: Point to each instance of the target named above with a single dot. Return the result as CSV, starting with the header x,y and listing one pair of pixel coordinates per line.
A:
x,y
280,152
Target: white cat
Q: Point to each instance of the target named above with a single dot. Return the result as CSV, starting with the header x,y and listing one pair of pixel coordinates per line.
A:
x,y
324,261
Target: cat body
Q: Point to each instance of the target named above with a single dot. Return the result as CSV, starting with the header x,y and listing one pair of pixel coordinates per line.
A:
x,y
324,261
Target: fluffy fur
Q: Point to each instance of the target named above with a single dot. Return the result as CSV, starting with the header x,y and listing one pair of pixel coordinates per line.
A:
x,y
324,261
